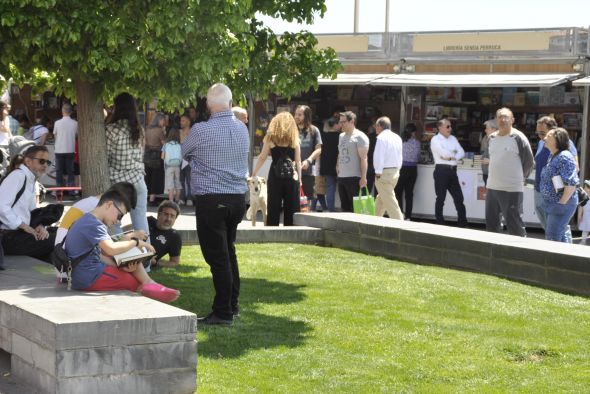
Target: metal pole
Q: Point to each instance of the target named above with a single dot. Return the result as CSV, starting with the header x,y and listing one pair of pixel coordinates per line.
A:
x,y
402,112
386,16
356,16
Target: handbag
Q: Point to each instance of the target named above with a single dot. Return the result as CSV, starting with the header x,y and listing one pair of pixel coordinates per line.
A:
x,y
364,204
303,202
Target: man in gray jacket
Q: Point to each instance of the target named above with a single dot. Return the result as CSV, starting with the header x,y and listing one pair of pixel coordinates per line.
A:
x,y
511,162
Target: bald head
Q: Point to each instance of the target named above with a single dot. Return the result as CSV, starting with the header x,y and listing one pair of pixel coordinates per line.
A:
x,y
219,98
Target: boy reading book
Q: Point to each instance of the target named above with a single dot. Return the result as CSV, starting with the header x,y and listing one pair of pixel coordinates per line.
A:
x,y
98,271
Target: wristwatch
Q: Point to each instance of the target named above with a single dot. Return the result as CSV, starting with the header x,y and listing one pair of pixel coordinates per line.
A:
x,y
136,240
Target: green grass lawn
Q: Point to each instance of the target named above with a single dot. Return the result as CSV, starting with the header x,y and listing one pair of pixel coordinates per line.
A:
x,y
327,320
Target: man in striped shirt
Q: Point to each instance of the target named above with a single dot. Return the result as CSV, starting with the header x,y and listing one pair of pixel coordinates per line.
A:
x,y
217,151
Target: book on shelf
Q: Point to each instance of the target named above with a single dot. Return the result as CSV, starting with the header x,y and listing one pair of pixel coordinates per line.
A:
x,y
435,93
131,256
508,96
519,99
571,98
344,92
572,120
557,95
532,97
545,95
434,111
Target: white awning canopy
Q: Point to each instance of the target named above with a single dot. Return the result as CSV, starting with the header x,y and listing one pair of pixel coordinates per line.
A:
x,y
457,80
582,82
351,79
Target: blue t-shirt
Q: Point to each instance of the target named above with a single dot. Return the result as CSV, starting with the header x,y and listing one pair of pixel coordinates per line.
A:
x,y
542,156
85,234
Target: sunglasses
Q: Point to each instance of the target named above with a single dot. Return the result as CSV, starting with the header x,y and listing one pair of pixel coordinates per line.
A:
x,y
121,214
42,161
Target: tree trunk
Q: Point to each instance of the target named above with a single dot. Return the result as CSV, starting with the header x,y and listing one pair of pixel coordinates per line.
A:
x,y
94,170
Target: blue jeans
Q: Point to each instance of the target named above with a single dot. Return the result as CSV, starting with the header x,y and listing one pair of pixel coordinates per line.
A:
x,y
558,216
139,214
331,192
539,210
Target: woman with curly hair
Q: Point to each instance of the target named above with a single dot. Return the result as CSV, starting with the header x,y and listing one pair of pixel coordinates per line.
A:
x,y
282,143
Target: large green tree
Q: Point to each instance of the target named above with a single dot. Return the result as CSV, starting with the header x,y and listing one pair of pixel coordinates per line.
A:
x,y
169,49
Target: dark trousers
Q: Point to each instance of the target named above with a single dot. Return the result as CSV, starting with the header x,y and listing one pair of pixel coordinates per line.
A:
x,y
445,178
307,181
507,204
20,243
185,181
281,194
347,189
405,188
64,164
218,216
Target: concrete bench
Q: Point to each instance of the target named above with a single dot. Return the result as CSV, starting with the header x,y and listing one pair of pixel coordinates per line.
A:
x,y
71,342
554,265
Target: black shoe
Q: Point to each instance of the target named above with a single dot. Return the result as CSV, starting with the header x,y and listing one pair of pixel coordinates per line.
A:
x,y
212,319
236,312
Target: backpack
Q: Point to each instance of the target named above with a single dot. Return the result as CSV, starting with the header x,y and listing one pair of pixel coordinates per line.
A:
x,y
284,167
173,154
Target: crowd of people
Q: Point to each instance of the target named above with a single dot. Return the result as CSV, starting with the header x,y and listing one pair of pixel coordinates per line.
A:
x,y
205,163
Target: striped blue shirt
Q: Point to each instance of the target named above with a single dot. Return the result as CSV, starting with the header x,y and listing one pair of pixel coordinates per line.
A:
x,y
217,151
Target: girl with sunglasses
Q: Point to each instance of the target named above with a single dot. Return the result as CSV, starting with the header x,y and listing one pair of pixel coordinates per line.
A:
x,y
17,200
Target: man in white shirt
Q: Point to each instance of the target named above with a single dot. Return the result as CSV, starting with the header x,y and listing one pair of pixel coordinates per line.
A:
x,y
387,161
446,151
65,131
511,162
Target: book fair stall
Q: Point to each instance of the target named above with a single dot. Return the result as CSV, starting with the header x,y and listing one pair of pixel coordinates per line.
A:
x,y
463,76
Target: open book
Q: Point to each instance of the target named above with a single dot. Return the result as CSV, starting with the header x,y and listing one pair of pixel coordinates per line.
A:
x,y
133,255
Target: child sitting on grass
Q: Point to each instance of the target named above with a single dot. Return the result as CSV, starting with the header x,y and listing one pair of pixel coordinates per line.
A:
x,y
98,271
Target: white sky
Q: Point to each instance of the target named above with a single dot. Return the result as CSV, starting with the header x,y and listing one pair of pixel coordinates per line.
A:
x,y
444,15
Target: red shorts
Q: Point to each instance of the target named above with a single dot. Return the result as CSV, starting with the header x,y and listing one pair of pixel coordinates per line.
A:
x,y
113,278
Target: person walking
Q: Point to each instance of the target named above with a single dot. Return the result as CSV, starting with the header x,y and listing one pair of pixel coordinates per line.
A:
x,y
353,148
446,151
217,151
387,160
281,142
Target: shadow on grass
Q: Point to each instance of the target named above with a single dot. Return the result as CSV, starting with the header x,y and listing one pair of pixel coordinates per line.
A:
x,y
252,330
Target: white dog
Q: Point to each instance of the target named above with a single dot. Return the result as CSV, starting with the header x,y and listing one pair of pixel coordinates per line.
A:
x,y
257,186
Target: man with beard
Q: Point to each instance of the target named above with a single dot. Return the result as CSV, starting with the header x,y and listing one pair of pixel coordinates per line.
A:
x,y
164,238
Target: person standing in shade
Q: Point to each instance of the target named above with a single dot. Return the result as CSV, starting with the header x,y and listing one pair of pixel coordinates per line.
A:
x,y
353,147
544,125
185,169
411,148
387,160
217,151
490,127
446,151
155,138
511,162
311,147
65,131
329,156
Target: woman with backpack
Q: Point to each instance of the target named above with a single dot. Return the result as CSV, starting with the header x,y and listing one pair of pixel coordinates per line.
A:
x,y
284,177
172,156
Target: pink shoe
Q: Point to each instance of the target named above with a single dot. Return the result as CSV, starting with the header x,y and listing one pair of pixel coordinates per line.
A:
x,y
159,292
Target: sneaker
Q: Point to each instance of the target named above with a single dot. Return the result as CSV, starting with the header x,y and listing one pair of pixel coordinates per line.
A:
x,y
159,292
236,311
180,202
213,320
62,277
189,203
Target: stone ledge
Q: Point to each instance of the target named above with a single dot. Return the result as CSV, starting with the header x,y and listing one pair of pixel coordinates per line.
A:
x,y
555,265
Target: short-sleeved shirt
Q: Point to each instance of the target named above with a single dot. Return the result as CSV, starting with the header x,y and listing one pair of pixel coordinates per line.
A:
x,y
83,236
166,242
309,140
38,132
564,165
75,212
349,163
65,131
542,156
